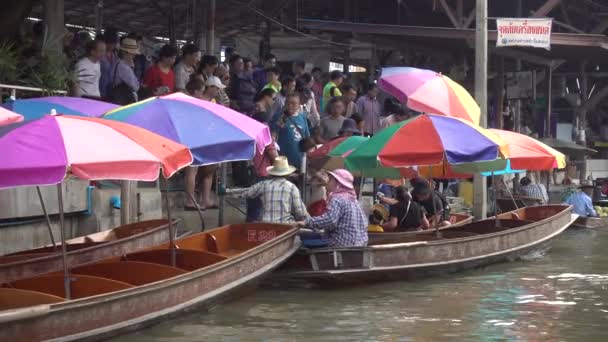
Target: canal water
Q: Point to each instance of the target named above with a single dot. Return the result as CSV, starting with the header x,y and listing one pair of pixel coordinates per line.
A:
x,y
559,296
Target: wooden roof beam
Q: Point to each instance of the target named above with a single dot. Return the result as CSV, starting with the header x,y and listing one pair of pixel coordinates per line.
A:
x,y
450,13
547,7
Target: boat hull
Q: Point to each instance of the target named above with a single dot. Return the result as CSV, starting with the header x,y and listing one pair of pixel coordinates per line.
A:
x,y
376,238
427,255
107,315
590,222
35,262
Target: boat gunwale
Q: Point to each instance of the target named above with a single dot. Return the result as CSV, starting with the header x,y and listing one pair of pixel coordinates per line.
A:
x,y
7,315
565,211
54,255
335,272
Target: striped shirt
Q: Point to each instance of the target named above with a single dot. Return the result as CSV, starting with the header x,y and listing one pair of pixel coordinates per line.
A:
x,y
281,200
344,223
535,191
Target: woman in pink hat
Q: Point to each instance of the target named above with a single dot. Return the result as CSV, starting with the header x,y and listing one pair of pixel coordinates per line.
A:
x,y
344,223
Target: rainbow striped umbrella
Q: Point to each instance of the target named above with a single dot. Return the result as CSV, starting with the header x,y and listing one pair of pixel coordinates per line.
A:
x,y
213,133
7,117
431,140
429,92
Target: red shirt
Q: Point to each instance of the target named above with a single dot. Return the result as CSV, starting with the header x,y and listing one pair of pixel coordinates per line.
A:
x,y
155,78
262,161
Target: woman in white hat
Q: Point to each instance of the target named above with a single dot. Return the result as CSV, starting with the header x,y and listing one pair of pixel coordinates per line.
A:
x,y
281,198
344,223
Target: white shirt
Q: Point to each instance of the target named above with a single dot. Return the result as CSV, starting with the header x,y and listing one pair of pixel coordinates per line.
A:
x,y
182,75
88,75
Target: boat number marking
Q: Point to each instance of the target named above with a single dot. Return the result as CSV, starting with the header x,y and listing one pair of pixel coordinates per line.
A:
x,y
260,235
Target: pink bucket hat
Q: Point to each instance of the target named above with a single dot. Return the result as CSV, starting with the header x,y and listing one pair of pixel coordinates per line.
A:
x,y
343,177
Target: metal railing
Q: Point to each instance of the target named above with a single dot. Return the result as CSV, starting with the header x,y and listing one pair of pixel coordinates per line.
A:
x,y
12,90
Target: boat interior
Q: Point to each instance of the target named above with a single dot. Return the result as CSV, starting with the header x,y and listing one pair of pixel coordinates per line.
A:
x,y
142,267
502,222
91,240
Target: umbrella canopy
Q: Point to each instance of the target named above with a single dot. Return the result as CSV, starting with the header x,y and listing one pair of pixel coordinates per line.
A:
x,y
42,151
330,155
213,133
566,146
7,117
431,140
37,107
429,92
526,153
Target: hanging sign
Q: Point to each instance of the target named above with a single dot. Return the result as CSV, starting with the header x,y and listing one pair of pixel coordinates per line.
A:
x,y
524,32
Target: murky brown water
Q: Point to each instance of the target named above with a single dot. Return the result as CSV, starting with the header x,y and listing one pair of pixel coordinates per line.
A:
x,y
561,296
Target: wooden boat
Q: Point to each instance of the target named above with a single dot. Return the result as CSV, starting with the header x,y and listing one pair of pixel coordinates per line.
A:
x,y
124,293
457,220
86,249
506,237
590,222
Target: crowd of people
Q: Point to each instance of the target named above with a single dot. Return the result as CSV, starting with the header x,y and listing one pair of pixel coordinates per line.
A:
x,y
302,108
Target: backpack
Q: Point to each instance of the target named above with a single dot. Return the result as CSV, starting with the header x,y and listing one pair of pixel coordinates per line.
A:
x,y
121,93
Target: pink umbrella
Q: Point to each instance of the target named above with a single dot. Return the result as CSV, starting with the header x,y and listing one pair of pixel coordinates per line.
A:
x,y
7,117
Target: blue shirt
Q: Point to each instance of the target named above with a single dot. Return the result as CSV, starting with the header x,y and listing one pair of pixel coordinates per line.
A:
x,y
344,223
289,137
581,204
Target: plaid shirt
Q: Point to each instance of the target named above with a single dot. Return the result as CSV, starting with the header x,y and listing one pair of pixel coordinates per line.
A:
x,y
534,191
344,223
281,200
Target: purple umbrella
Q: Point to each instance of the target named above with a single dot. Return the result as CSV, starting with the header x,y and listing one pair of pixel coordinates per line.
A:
x,y
35,108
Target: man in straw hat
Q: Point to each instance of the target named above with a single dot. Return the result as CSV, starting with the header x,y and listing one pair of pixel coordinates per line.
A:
x,y
344,223
281,199
581,201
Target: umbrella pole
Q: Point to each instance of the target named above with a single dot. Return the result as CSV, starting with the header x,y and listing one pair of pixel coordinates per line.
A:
x,y
171,228
46,216
198,209
437,233
510,194
66,272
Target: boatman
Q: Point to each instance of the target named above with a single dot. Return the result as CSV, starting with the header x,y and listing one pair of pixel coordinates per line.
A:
x,y
281,200
581,201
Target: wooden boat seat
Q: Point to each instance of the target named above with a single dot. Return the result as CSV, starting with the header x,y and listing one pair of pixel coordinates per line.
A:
x,y
130,272
185,259
81,285
16,298
7,259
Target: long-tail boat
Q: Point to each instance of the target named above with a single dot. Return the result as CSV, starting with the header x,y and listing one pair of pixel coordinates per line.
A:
x,y
85,249
505,237
124,293
590,222
456,220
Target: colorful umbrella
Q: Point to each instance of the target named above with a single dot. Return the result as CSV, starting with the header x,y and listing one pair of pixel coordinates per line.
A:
x,y
330,155
526,153
37,107
431,140
7,117
212,132
429,92
42,151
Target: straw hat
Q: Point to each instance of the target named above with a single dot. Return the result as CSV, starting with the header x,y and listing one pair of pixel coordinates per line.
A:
x,y
280,167
343,177
129,45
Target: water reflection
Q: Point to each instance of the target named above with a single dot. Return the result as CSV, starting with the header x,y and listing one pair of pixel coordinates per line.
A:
x,y
560,296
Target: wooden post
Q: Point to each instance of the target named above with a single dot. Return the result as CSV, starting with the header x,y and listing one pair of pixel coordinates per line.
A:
x,y
581,137
481,94
211,28
549,95
125,202
499,86
54,25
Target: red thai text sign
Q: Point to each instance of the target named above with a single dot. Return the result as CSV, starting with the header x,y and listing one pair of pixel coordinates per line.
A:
x,y
524,32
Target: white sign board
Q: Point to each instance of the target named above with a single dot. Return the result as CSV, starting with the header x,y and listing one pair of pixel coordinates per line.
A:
x,y
520,85
524,32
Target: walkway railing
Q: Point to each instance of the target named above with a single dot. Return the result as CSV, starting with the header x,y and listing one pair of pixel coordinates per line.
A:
x,y
13,90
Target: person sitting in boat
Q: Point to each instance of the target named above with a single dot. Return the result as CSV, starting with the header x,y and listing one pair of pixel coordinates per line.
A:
x,y
405,215
281,200
431,202
344,223
533,190
581,201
